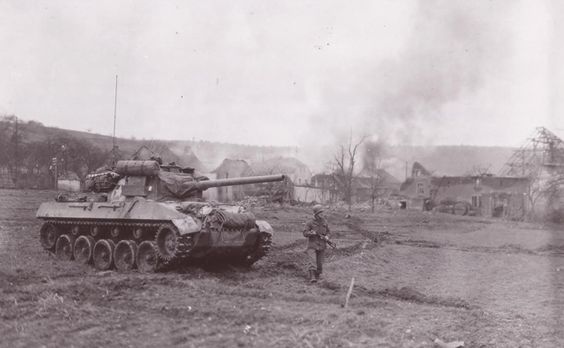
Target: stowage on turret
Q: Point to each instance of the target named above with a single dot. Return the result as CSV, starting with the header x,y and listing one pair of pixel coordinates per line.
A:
x,y
151,216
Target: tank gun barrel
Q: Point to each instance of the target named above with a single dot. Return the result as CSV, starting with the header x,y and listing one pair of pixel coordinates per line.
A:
x,y
203,185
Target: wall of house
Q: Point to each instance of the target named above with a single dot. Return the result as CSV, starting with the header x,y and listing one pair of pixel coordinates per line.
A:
x,y
301,176
506,205
418,191
68,185
231,193
310,194
211,194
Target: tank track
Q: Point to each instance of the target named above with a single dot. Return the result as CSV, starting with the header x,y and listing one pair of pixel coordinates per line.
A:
x,y
184,243
263,246
65,227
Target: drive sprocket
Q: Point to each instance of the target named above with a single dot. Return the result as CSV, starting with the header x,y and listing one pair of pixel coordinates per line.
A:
x,y
262,247
170,244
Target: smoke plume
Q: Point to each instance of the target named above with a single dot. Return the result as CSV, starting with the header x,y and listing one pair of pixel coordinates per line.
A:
x,y
453,47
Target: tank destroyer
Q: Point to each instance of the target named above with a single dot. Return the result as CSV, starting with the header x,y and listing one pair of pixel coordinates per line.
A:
x,y
150,216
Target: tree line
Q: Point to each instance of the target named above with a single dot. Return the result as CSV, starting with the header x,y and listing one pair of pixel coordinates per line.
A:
x,y
33,162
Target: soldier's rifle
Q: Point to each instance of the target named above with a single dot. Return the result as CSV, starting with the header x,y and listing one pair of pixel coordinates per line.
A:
x,y
328,241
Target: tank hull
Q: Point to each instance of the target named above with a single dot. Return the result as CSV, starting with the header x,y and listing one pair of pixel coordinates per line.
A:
x,y
139,220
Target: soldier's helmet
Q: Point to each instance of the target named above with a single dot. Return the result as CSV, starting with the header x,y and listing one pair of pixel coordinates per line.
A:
x,y
317,209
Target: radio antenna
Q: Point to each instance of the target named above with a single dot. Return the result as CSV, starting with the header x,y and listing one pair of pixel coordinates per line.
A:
x,y
114,147
115,113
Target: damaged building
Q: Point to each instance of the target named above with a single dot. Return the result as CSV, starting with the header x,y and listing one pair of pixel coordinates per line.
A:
x,y
366,185
483,195
541,160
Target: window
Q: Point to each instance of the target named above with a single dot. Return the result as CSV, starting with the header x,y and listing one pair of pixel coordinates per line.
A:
x,y
420,188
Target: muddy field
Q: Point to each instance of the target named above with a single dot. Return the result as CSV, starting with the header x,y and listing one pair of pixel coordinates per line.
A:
x,y
419,276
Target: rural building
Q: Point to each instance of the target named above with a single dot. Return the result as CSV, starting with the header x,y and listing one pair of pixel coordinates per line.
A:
x,y
324,188
377,183
484,195
296,172
541,160
68,181
230,169
156,149
293,168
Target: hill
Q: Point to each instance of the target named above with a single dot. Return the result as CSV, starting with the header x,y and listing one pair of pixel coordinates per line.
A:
x,y
441,160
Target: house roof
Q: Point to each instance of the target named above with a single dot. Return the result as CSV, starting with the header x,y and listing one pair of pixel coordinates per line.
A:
x,y
379,173
232,166
157,149
418,170
277,165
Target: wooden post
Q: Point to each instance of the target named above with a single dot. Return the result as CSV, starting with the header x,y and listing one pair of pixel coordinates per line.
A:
x,y
349,292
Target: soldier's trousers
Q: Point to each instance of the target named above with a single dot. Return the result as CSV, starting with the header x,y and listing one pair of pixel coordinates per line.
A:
x,y
315,259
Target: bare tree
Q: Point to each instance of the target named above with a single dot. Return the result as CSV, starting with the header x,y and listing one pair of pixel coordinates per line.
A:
x,y
345,160
543,187
554,194
372,158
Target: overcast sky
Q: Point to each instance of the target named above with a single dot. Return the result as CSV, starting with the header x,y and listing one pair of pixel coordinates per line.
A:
x,y
287,72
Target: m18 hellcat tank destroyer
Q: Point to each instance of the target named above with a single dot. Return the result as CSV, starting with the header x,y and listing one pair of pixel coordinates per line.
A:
x,y
151,216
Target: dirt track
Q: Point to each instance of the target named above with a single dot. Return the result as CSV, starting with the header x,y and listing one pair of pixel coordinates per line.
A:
x,y
418,276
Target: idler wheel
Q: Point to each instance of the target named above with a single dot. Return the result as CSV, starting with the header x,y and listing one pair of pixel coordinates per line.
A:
x,y
125,254
147,257
48,235
167,241
64,247
83,249
103,254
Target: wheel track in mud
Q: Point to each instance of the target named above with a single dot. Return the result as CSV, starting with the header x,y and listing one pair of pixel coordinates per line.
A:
x,y
503,249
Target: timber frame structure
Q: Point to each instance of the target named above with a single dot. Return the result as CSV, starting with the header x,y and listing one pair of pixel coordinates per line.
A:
x,y
544,150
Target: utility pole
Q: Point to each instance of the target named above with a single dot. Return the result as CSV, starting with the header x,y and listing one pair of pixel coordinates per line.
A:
x,y
55,164
16,153
114,149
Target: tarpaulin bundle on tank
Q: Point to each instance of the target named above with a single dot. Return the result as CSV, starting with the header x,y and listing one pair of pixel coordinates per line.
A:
x,y
175,185
139,168
101,182
232,220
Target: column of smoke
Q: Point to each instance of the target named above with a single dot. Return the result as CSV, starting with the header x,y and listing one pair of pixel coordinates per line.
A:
x,y
453,47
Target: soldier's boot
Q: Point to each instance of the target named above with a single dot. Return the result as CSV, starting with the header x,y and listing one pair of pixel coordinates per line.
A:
x,y
317,275
312,278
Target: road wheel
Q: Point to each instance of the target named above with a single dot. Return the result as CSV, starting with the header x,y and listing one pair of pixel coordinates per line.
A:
x,y
83,249
103,254
147,257
167,241
125,254
48,236
64,247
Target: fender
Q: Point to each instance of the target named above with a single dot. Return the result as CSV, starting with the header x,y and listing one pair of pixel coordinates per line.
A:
x,y
187,225
264,227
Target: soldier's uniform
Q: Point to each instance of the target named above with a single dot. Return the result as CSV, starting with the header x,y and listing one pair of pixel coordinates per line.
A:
x,y
316,246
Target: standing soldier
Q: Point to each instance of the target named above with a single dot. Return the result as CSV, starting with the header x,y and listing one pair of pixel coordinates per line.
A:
x,y
316,231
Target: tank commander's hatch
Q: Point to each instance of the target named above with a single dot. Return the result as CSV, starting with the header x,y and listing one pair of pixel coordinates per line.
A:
x,y
135,186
